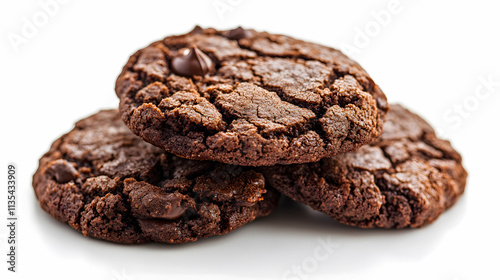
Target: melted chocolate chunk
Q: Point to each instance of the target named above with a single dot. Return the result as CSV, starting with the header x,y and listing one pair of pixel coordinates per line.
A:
x,y
62,171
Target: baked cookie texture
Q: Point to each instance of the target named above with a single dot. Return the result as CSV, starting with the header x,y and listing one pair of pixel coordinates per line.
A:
x,y
249,98
407,178
109,184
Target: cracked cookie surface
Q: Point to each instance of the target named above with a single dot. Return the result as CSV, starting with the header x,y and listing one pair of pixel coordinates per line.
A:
x,y
407,178
254,98
109,184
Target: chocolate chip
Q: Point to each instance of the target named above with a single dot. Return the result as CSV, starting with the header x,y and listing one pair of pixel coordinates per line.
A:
x,y
62,171
196,30
191,63
238,33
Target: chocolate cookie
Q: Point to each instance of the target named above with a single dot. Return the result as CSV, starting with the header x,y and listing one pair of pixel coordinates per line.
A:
x,y
107,183
407,178
249,98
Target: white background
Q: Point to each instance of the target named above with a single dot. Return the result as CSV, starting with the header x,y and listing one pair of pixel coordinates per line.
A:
x,y
430,56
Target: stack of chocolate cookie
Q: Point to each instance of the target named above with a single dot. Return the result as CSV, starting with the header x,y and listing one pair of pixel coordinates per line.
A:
x,y
214,125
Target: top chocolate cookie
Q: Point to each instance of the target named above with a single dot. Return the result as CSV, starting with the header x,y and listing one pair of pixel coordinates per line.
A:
x,y
249,98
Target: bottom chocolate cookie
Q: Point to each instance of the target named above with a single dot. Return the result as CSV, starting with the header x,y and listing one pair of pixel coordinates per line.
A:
x,y
407,178
107,183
